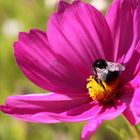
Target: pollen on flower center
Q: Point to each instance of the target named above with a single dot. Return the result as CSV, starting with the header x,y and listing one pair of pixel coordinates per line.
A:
x,y
101,90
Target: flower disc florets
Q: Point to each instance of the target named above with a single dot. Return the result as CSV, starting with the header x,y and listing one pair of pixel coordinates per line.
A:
x,y
102,92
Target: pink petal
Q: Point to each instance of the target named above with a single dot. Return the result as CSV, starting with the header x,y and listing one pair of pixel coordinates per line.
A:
x,y
51,108
135,83
132,67
132,97
80,113
104,112
46,68
52,102
62,6
112,110
131,116
123,17
107,112
90,128
80,34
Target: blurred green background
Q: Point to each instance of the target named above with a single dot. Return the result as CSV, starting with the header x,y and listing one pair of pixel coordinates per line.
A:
x,y
22,15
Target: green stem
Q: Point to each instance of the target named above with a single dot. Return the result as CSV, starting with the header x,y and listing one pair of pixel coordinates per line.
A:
x,y
134,131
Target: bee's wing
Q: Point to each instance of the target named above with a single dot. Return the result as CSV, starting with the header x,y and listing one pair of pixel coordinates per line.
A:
x,y
102,73
115,66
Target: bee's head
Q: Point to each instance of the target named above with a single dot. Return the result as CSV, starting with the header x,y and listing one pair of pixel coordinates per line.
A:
x,y
99,63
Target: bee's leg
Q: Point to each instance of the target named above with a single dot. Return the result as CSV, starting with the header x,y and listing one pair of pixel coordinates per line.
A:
x,y
100,82
96,79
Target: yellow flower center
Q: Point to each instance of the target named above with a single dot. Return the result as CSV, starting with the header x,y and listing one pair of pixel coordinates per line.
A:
x,y
101,90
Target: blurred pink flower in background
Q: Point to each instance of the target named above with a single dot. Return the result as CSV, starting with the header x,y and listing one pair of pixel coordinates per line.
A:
x,y
60,61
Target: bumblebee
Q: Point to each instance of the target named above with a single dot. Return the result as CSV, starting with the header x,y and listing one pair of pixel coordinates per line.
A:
x,y
106,71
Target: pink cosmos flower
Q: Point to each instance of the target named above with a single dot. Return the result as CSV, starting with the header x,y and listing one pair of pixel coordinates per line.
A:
x,y
60,61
